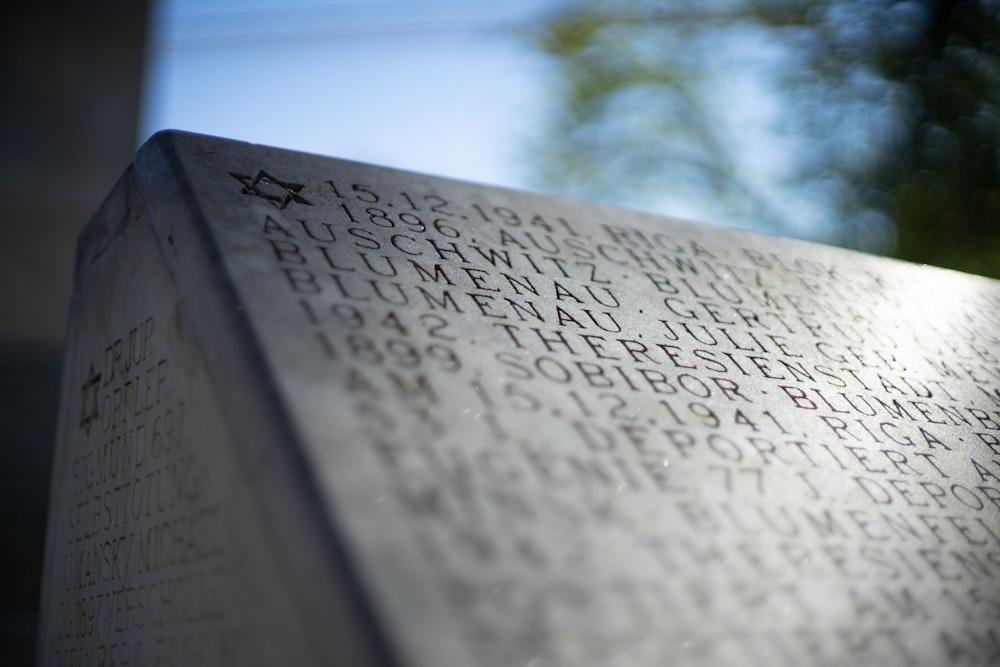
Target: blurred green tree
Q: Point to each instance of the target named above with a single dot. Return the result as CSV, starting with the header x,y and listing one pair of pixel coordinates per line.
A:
x,y
886,127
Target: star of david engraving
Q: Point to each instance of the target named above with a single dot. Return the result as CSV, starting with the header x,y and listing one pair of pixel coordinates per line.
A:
x,y
277,192
89,411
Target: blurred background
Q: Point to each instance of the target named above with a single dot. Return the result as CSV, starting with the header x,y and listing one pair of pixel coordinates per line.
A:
x,y
871,124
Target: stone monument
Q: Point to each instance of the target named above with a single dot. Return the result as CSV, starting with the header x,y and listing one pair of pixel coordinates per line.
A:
x,y
320,412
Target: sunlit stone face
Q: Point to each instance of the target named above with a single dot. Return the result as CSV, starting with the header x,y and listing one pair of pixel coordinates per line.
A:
x,y
485,427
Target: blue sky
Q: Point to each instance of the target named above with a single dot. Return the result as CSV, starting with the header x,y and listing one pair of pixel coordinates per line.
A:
x,y
439,86
446,87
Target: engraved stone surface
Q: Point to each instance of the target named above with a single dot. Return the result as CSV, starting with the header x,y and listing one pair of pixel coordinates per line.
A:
x,y
322,412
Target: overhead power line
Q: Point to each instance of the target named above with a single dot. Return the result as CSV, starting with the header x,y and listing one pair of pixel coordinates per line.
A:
x,y
276,26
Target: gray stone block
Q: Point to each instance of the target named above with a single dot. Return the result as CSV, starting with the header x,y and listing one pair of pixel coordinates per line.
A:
x,y
320,412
